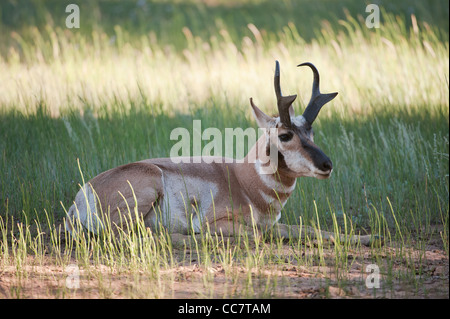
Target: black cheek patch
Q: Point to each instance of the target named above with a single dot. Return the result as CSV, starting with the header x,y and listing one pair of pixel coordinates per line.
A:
x,y
281,161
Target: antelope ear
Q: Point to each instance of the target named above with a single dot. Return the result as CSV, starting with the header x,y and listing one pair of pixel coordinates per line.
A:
x,y
261,118
291,111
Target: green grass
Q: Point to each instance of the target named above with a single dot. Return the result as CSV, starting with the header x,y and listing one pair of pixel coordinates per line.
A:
x,y
111,92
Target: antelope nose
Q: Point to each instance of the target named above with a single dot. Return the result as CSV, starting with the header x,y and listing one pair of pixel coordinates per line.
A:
x,y
326,166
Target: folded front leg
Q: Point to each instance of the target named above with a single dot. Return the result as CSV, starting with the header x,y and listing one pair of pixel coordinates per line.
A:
x,y
304,232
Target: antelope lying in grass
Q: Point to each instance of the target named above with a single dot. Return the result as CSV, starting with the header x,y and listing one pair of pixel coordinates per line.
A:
x,y
228,198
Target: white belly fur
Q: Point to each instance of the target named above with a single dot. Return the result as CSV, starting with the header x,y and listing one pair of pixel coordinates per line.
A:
x,y
185,204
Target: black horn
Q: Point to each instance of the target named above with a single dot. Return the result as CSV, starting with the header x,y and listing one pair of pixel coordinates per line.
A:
x,y
317,99
283,102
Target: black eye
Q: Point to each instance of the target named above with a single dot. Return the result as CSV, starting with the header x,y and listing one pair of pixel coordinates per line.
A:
x,y
285,137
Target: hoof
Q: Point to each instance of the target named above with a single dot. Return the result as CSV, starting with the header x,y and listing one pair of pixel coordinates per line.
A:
x,y
372,240
377,240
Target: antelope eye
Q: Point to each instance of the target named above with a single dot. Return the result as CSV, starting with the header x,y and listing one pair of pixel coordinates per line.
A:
x,y
285,137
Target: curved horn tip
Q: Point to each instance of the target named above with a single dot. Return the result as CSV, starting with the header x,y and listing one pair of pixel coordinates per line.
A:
x,y
277,68
312,66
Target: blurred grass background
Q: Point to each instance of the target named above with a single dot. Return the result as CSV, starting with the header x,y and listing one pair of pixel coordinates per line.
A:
x,y
111,91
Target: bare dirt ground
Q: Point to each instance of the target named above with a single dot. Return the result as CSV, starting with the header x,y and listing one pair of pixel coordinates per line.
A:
x,y
421,274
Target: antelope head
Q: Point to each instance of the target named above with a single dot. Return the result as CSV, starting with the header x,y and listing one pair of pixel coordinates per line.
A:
x,y
298,155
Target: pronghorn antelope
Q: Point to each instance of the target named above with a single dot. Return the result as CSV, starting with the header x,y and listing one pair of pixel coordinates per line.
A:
x,y
228,198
